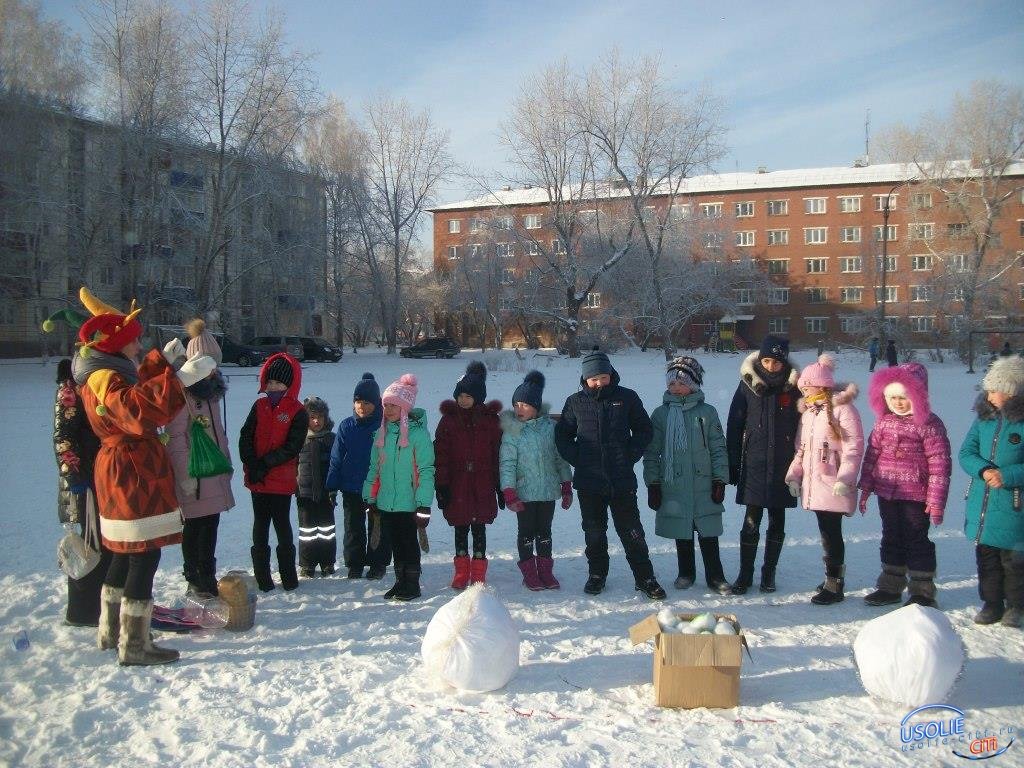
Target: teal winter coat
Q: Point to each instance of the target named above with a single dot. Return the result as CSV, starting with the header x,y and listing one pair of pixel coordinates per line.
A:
x,y
528,460
995,439
405,475
686,501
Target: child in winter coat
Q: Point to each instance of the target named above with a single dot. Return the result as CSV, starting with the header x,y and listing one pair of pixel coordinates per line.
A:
x,y
823,474
400,484
907,465
533,477
350,461
466,446
317,542
993,456
685,469
269,445
202,499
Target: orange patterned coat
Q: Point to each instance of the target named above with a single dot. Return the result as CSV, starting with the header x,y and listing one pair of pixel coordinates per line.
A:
x,y
133,474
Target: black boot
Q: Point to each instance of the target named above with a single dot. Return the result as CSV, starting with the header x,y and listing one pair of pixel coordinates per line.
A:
x,y
889,587
409,586
397,586
772,550
651,588
208,576
831,591
687,564
286,565
594,585
748,553
921,588
261,568
713,572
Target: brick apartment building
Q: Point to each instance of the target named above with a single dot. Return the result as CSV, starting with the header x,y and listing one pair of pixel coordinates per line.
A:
x,y
817,233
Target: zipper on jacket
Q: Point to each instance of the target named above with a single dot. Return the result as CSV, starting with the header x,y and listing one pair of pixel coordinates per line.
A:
x,y
988,488
703,436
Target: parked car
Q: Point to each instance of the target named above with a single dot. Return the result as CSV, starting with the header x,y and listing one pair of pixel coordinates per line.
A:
x,y
321,350
242,355
271,344
440,346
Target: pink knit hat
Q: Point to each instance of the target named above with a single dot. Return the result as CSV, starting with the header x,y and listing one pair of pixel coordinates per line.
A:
x,y
403,394
819,374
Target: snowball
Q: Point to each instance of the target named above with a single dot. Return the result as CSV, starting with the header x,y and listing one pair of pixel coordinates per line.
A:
x,y
688,629
911,656
706,621
666,618
472,643
725,627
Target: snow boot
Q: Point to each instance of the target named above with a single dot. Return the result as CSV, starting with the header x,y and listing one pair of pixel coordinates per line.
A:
x,y
772,550
409,586
286,565
261,568
831,591
530,577
109,628
135,645
461,578
713,572
686,563
477,570
921,588
990,613
651,588
307,571
327,570
545,570
374,573
206,577
595,584
355,573
399,576
890,585
1012,617
748,553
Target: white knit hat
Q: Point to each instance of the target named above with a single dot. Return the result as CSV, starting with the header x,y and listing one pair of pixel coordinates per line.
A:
x,y
1006,375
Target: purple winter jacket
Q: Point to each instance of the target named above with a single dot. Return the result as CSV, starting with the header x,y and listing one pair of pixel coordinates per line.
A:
x,y
907,457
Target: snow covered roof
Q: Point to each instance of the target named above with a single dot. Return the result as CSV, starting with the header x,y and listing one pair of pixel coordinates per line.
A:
x,y
723,182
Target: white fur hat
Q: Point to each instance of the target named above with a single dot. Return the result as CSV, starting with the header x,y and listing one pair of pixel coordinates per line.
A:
x,y
1006,375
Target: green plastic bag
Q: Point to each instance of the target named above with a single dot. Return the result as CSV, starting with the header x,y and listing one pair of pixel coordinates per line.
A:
x,y
205,459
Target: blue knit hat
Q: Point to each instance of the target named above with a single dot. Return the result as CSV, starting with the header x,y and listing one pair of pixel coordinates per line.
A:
x,y
775,347
474,383
596,362
367,390
531,391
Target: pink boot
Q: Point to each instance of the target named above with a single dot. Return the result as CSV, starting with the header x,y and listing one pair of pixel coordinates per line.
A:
x,y
530,577
544,568
461,579
478,570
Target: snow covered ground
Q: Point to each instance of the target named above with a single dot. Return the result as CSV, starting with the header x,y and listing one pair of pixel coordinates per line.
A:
x,y
330,675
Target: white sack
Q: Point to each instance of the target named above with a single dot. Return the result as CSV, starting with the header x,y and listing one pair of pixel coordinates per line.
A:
x,y
472,643
911,656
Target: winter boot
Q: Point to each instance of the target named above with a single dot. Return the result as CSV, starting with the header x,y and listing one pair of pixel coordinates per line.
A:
x,y
261,568
1012,617
207,573
921,588
772,550
595,584
327,570
461,578
748,553
286,565
409,586
355,573
890,585
832,588
373,573
530,577
990,613
399,576
135,645
306,572
545,570
477,570
110,618
651,588
713,572
1013,587
687,565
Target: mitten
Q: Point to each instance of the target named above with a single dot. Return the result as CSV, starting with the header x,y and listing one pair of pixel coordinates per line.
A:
x,y
173,349
566,494
794,488
443,496
188,485
935,514
196,369
840,488
501,498
422,517
257,471
717,491
654,497
375,525
424,542
512,500
862,505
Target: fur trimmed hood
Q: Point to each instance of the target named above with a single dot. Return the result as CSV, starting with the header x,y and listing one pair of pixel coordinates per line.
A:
x,y
451,408
513,426
750,376
1013,411
914,378
841,395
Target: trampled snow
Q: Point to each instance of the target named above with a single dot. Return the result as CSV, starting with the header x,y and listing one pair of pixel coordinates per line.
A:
x,y
331,675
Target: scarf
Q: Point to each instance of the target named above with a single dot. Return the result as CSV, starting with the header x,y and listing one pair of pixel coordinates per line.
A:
x,y
83,367
774,381
275,397
675,440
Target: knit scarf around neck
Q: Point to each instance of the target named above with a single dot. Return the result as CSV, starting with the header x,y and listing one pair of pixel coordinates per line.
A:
x,y
675,440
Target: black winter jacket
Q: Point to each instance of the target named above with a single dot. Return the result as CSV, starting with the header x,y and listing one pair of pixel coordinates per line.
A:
x,y
761,435
602,434
314,460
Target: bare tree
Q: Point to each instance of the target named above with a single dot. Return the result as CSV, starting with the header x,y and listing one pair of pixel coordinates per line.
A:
x,y
39,58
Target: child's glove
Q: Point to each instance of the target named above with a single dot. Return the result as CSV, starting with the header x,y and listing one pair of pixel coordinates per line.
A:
x,y
443,496
512,500
935,514
501,498
654,497
717,491
188,485
840,488
173,349
862,505
566,494
257,471
424,542
375,525
196,369
422,517
794,489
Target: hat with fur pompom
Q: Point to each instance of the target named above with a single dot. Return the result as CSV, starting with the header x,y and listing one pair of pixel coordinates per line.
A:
x,y
401,393
819,374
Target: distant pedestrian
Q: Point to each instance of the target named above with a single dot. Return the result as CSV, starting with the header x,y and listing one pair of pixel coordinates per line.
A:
x,y
1006,351
873,352
890,353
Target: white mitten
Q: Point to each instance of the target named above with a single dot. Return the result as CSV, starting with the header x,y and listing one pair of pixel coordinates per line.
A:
x,y
794,488
188,485
173,349
840,488
196,369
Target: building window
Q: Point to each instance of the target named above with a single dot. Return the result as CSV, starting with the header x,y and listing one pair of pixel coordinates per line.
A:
x,y
891,294
475,225
817,325
778,295
922,324
956,262
814,205
680,211
744,296
816,295
816,266
744,209
849,235
958,230
533,249
890,232
531,221
851,295
921,200
850,204
850,264
890,263
712,239
1020,223
711,210
921,293
778,207
921,231
503,222
508,275
557,246
778,237
922,262
778,266
593,301
815,235
453,251
745,238
476,250
852,324
106,276
504,250
454,226
778,325
880,202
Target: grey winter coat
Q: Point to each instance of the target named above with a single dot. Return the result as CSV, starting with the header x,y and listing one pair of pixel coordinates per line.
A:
x,y
314,460
528,461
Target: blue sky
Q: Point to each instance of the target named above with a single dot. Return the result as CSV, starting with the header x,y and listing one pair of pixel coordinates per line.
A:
x,y
797,78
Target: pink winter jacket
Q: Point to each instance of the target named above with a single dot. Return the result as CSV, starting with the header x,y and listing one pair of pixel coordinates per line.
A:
x,y
822,459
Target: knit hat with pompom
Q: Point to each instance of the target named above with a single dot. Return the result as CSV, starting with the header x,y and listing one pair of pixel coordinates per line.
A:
x,y
474,383
531,391
403,394
819,374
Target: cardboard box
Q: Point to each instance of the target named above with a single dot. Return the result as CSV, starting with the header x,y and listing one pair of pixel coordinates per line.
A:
x,y
693,671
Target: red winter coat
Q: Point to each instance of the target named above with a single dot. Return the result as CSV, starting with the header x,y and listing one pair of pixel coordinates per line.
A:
x,y
466,445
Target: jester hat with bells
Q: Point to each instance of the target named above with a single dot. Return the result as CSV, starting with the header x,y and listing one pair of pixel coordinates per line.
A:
x,y
108,330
